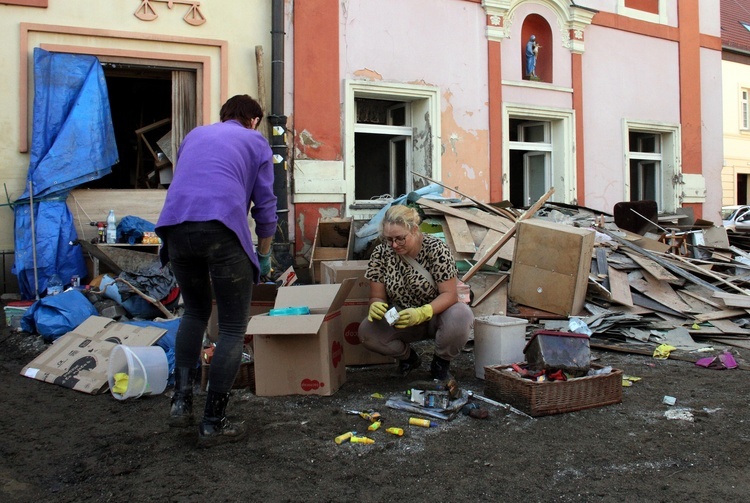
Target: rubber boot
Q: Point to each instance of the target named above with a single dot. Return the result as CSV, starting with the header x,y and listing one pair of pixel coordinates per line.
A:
x,y
215,428
181,411
412,362
439,369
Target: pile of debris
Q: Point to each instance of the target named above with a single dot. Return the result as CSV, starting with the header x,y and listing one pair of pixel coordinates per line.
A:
x,y
676,284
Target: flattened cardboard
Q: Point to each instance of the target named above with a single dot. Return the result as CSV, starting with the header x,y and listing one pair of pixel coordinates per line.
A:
x,y
551,265
354,310
302,354
79,359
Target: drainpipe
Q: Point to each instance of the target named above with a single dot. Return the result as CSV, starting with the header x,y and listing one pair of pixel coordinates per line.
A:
x,y
281,246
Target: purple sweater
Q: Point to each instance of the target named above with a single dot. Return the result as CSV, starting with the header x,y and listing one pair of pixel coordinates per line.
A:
x,y
221,170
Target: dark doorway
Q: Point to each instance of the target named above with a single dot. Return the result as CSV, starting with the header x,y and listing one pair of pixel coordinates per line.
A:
x,y
138,96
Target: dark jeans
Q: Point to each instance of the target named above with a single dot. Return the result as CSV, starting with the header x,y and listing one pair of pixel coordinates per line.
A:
x,y
203,254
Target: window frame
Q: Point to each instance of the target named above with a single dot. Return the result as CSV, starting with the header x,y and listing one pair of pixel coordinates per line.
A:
x,y
669,157
561,147
424,101
744,109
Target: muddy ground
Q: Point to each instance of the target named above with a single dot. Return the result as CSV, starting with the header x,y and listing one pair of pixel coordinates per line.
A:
x,y
60,445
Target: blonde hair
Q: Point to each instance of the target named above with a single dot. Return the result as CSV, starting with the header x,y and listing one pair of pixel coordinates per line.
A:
x,y
401,215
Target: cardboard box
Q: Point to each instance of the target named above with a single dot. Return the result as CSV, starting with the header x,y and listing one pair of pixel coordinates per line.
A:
x,y
334,240
79,359
354,310
551,265
261,302
301,354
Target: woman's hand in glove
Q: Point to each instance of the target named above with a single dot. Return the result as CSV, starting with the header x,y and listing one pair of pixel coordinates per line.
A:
x,y
264,261
413,316
377,311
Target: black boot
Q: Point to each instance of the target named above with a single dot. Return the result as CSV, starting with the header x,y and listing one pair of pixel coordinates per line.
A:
x,y
439,369
215,428
181,412
412,362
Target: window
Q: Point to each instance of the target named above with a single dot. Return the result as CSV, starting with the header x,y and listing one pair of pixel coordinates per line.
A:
x,y
652,166
653,11
530,161
645,167
382,147
390,134
538,154
744,109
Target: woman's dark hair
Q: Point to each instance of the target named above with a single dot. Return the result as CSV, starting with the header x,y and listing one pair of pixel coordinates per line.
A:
x,y
241,108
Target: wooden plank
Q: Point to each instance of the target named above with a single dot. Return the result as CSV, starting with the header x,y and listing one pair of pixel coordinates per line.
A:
x,y
663,293
733,300
502,279
620,287
670,267
698,302
730,327
720,315
491,209
490,239
527,214
652,267
459,231
485,219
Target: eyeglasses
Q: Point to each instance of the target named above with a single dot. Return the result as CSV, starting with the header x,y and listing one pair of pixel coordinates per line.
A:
x,y
399,240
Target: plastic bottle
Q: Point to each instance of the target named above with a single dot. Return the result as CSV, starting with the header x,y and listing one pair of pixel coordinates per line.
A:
x,y
361,440
111,228
395,431
54,285
344,437
374,426
425,423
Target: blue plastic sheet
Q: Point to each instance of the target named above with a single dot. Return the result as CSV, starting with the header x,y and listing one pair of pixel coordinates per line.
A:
x,y
56,315
73,142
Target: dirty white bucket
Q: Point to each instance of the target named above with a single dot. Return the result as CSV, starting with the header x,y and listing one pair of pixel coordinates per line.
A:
x,y
498,340
146,366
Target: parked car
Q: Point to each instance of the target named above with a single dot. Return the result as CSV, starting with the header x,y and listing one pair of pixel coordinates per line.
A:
x,y
736,218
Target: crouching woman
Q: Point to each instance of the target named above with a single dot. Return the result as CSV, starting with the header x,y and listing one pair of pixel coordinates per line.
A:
x,y
415,273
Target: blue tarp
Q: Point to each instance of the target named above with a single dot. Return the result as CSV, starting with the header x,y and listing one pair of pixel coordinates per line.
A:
x,y
73,141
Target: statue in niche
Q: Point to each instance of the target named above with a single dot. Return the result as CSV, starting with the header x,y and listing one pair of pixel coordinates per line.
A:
x,y
532,51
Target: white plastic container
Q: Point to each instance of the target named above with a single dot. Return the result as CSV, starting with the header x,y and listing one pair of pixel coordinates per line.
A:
x,y
498,340
146,366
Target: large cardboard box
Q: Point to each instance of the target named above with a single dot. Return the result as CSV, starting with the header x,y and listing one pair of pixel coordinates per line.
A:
x,y
261,302
79,359
301,354
354,310
334,240
551,265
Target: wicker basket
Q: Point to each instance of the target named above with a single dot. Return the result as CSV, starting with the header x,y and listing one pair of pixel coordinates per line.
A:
x,y
552,397
245,376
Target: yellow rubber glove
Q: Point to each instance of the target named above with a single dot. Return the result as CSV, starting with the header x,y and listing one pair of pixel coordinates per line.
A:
x,y
414,316
377,311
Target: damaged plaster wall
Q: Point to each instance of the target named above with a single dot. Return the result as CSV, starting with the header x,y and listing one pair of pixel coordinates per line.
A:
x,y
455,62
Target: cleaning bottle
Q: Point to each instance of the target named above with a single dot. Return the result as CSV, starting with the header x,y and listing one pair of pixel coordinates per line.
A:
x,y
395,431
425,423
361,440
111,228
344,437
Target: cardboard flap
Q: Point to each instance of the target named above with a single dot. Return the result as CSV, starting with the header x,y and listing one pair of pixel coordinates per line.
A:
x,y
285,325
320,298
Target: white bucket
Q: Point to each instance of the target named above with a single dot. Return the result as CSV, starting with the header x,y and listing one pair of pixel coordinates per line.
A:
x,y
498,340
146,366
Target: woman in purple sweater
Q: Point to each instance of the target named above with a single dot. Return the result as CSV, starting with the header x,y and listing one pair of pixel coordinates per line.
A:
x,y
223,171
